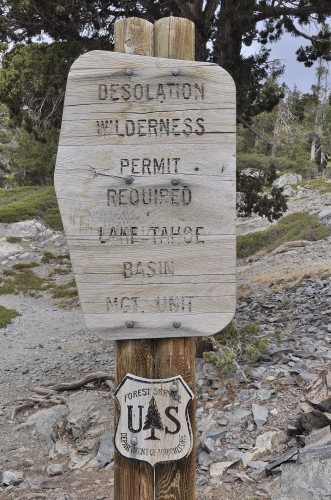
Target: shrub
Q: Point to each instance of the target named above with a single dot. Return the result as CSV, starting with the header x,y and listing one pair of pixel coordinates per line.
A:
x,y
6,315
235,344
29,203
297,226
24,281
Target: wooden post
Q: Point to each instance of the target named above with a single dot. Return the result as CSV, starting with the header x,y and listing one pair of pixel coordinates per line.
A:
x,y
160,358
133,480
174,38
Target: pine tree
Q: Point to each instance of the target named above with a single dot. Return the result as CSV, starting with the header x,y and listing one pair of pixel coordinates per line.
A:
x,y
153,419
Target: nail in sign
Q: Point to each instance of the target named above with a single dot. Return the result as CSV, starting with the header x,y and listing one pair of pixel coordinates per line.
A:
x,y
153,424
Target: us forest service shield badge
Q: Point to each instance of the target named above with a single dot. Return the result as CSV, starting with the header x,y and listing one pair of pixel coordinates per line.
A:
x,y
153,424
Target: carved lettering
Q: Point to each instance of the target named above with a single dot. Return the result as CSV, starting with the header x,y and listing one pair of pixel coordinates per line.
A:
x,y
161,92
149,166
174,304
148,269
156,235
176,235
122,304
151,127
149,196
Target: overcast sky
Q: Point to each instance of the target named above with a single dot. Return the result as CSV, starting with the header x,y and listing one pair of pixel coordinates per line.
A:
x,y
296,73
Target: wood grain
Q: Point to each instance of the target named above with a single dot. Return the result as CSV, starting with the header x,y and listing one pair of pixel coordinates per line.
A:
x,y
146,185
132,480
176,481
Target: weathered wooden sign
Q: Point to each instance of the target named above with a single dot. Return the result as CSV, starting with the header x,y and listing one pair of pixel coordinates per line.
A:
x,y
153,424
145,179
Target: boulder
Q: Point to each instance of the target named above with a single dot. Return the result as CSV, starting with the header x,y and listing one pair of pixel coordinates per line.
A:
x,y
86,409
106,450
45,422
309,481
24,229
287,180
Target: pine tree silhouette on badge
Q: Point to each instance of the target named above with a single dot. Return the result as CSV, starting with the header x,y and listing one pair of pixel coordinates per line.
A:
x,y
153,420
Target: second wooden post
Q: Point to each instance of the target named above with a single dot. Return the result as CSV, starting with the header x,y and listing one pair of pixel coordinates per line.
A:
x,y
174,38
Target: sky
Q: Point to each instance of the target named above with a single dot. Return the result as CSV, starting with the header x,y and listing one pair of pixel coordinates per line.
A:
x,y
295,73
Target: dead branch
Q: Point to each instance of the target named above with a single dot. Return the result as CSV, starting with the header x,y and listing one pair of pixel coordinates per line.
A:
x,y
30,402
76,384
31,496
109,384
43,391
19,408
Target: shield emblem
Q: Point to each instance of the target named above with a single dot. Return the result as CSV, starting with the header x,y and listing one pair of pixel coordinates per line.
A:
x,y
153,424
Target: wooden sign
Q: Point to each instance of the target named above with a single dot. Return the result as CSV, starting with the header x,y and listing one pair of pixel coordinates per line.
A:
x,y
145,179
153,424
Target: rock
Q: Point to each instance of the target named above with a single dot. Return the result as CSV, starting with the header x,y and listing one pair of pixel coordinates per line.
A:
x,y
27,257
309,481
85,409
318,437
55,469
289,192
106,449
234,455
60,448
202,480
11,478
244,395
239,416
259,470
35,481
209,445
260,414
46,421
292,454
87,445
204,459
79,461
287,179
311,453
24,229
325,214
218,468
269,441
263,394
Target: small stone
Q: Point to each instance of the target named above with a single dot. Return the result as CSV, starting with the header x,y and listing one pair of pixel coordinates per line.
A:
x,y
11,478
217,469
263,394
244,395
259,469
55,469
260,414
202,480
269,440
234,455
27,463
204,459
209,445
